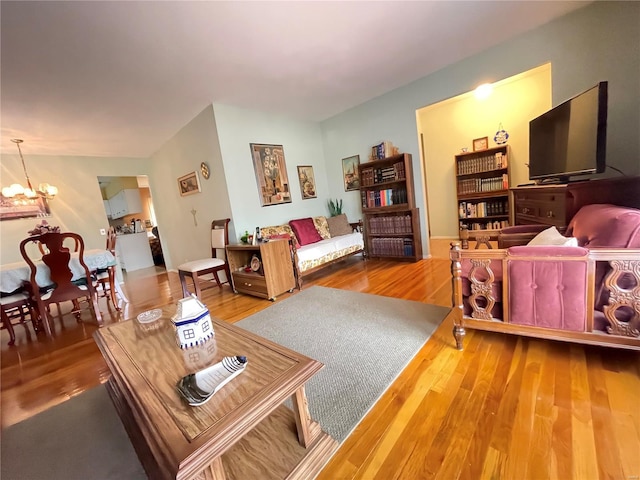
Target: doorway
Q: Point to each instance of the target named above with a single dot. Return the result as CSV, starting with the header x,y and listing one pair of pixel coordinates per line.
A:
x,y
129,208
447,127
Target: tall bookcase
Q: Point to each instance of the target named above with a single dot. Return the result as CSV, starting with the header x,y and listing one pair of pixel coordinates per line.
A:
x,y
391,219
482,182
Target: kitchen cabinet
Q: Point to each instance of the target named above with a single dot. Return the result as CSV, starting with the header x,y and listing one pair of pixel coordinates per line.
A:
x,y
133,251
125,202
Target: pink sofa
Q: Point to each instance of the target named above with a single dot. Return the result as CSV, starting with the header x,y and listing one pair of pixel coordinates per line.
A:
x,y
588,294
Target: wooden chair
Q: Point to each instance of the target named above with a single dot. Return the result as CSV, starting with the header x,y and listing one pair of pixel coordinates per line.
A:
x,y
105,277
17,306
196,268
62,287
72,241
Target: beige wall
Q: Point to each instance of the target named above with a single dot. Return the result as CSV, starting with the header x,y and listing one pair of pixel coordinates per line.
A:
x,y
448,126
78,207
186,236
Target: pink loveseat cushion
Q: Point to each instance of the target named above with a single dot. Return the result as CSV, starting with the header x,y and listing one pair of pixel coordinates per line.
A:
x,y
548,293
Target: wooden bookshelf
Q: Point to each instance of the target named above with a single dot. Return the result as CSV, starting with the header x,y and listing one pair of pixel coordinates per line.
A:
x,y
391,219
482,186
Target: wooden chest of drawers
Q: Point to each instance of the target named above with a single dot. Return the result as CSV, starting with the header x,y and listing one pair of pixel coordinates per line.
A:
x,y
555,205
545,205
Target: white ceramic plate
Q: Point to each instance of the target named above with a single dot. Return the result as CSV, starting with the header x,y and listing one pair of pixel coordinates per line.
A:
x,y
150,316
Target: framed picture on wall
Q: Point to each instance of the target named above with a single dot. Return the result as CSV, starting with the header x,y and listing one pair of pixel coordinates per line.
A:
x,y
189,184
350,173
480,143
271,174
307,182
14,208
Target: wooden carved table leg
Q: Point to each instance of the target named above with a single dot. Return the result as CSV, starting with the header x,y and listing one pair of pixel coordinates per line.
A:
x,y
308,430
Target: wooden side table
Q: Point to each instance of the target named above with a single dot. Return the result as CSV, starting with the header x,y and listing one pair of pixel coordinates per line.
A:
x,y
272,273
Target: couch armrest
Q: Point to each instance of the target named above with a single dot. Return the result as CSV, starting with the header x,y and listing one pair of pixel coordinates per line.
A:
x,y
357,226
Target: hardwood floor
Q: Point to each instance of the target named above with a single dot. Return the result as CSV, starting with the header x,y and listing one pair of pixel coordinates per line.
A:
x,y
506,407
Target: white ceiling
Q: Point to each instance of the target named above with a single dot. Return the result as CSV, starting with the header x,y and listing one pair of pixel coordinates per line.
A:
x,y
121,78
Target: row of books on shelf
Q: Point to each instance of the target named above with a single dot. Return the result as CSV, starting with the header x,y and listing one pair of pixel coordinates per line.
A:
x,y
485,163
371,176
391,247
483,209
495,225
383,198
478,185
388,225
383,150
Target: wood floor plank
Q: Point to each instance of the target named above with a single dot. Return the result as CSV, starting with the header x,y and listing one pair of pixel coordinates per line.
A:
x,y
561,434
494,371
506,407
583,445
538,459
604,435
525,413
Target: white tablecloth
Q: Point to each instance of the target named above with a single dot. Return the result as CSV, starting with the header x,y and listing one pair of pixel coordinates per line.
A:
x,y
13,274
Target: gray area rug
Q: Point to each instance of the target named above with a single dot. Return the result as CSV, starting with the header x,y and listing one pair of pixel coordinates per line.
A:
x,y
364,341
80,439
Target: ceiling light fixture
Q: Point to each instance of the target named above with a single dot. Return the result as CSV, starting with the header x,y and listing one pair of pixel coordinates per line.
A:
x,y
483,91
16,190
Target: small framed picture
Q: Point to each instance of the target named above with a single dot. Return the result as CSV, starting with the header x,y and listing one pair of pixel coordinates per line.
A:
x,y
350,172
189,184
307,181
480,143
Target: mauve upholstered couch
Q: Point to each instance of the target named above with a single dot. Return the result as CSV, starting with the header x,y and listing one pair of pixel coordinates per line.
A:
x,y
587,294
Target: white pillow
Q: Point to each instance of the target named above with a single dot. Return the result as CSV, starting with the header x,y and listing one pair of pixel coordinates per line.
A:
x,y
551,236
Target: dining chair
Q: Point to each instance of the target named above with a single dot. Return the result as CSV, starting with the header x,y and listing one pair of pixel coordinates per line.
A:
x,y
196,268
63,287
72,241
18,305
105,277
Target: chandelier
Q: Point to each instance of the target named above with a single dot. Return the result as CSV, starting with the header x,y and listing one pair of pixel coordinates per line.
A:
x,y
18,191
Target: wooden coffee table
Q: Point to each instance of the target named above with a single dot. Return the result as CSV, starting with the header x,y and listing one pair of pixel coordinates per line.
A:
x,y
242,432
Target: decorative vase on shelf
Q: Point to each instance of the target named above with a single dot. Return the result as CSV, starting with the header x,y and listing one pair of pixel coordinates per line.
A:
x,y
245,238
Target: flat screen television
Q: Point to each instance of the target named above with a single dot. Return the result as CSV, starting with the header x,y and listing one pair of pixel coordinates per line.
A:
x,y
570,139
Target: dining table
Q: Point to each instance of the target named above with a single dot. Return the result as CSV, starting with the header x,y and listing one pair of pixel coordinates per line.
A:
x,y
14,275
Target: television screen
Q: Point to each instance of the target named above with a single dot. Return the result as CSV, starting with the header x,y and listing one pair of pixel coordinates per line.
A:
x,y
571,138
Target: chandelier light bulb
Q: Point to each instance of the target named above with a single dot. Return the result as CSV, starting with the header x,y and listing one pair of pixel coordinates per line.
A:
x,y
17,190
